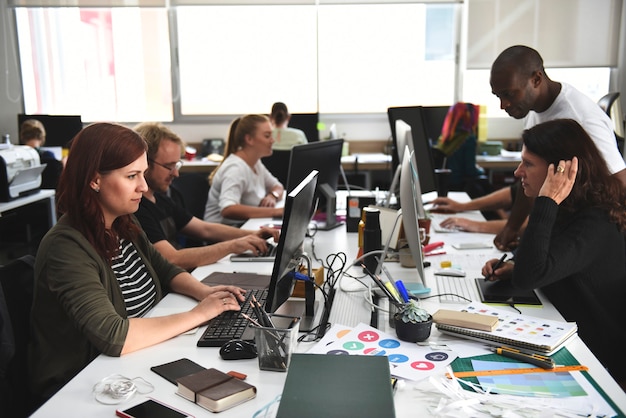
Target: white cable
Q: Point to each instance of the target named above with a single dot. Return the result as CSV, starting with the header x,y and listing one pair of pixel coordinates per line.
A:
x,y
115,389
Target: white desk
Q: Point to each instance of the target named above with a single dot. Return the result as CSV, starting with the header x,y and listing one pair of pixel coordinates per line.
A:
x,y
76,400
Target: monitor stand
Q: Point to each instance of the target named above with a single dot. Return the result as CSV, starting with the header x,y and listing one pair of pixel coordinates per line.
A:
x,y
305,308
331,208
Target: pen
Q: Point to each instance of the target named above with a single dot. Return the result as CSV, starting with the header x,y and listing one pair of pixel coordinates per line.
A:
x,y
496,266
536,359
402,290
265,319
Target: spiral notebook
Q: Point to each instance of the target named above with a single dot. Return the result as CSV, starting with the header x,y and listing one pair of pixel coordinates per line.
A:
x,y
523,332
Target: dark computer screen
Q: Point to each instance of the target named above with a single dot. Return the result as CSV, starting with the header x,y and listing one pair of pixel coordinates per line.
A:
x,y
60,129
323,156
413,116
434,116
306,122
296,219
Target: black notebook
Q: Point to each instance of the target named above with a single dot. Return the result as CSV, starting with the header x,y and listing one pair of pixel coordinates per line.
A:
x,y
176,369
501,291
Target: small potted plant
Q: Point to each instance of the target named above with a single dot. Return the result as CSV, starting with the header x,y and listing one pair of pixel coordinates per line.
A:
x,y
412,323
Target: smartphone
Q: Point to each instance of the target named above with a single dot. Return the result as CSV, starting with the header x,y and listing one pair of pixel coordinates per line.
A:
x,y
151,409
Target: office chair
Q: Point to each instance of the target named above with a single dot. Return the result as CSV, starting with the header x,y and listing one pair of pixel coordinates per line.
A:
x,y
16,295
278,165
611,105
193,190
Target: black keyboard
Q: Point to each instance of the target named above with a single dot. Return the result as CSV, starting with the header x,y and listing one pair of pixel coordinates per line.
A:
x,y
231,325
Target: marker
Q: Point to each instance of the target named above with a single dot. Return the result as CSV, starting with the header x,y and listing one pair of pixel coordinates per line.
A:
x,y
402,290
536,359
393,291
518,371
496,266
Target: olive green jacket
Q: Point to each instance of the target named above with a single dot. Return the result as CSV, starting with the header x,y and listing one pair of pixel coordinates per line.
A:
x,y
78,309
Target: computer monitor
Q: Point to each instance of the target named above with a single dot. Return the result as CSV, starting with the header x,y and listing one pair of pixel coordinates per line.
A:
x,y
413,116
307,123
412,210
60,129
325,157
289,255
434,116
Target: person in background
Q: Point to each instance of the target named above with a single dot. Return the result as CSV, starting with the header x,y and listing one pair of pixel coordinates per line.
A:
x,y
163,219
241,186
33,134
96,273
284,136
574,246
519,80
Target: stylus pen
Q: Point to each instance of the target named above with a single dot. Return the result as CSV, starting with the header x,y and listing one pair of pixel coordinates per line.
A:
x,y
496,266
536,359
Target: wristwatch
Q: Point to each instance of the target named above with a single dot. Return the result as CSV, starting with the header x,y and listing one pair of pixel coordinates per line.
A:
x,y
275,194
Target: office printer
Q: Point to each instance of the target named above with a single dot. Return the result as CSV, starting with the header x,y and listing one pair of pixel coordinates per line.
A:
x,y
20,171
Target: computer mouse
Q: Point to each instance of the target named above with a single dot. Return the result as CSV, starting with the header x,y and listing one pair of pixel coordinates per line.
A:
x,y
449,271
238,350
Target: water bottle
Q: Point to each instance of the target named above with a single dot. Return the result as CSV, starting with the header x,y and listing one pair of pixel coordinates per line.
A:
x,y
371,237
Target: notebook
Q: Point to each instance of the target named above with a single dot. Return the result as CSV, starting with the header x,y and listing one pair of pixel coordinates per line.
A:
x,y
315,380
523,332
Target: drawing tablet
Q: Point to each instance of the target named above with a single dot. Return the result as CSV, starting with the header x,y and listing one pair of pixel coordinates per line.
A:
x,y
501,291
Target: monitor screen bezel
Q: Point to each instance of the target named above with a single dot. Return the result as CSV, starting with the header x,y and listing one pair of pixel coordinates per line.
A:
x,y
296,218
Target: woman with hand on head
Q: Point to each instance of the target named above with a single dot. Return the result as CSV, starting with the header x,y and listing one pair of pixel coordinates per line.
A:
x,y
241,187
574,247
97,275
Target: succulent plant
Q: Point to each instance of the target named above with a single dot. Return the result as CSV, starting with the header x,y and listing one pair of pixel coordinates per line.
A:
x,y
411,312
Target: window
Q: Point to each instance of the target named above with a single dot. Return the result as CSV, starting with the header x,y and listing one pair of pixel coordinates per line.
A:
x,y
102,64
114,63
593,82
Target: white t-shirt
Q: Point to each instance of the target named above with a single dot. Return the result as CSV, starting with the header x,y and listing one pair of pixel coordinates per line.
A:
x,y
237,183
572,104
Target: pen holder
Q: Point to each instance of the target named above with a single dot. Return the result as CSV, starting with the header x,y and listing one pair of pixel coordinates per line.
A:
x,y
275,345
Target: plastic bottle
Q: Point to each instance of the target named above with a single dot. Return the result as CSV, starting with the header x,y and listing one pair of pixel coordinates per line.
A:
x,y
371,237
6,139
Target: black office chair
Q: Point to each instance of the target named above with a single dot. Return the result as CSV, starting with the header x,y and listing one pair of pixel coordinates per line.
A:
x,y
278,165
611,105
16,295
193,190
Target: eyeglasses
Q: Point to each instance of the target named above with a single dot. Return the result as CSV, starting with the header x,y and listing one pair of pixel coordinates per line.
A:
x,y
171,167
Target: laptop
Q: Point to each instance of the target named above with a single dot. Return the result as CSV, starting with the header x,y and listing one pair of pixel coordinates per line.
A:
x,y
249,256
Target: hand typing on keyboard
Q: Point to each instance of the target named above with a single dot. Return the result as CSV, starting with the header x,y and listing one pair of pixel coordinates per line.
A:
x,y
218,299
250,243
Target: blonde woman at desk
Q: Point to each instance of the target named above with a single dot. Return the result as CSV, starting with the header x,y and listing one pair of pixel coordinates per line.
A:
x,y
574,245
96,274
284,136
241,186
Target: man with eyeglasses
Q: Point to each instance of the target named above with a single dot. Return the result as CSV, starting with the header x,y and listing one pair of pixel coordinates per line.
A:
x,y
164,220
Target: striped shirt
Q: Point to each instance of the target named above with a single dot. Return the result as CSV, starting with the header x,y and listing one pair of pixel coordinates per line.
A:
x,y
138,287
